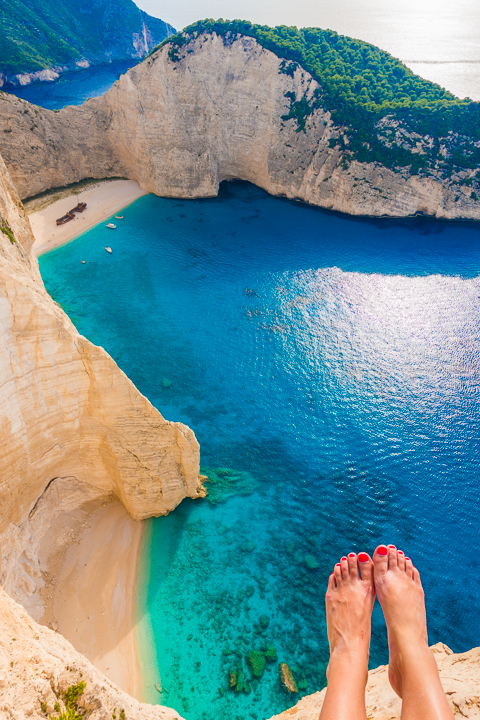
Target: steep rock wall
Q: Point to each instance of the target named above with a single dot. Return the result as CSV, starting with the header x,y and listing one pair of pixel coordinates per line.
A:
x,y
68,411
219,112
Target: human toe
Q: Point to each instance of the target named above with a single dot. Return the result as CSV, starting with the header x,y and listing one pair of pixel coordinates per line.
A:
x,y
344,567
337,571
401,560
365,565
392,557
380,560
409,568
353,565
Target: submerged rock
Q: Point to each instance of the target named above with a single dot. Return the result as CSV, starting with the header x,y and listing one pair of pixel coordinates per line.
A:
x,y
225,482
311,562
264,621
287,678
256,662
271,654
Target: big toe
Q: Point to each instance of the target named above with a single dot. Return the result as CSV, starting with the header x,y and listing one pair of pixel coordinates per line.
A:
x,y
365,566
380,561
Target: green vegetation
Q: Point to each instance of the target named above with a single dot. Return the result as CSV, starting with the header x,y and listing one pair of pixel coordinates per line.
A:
x,y
7,230
70,701
37,34
391,115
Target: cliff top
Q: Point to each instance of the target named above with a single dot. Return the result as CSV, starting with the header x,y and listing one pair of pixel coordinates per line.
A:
x,y
380,102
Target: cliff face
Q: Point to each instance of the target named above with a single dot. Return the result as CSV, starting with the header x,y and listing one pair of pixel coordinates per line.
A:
x,y
69,418
223,110
460,679
37,665
40,39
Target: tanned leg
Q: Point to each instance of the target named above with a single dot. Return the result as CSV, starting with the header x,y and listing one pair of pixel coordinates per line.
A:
x,y
349,604
412,669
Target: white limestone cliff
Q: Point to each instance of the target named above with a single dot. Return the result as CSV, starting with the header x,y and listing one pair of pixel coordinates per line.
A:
x,y
67,412
180,128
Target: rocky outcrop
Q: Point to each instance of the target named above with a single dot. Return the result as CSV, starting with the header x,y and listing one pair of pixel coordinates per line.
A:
x,y
221,111
68,413
460,676
37,666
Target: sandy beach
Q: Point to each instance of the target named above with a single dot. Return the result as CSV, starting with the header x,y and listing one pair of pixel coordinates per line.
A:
x,y
93,602
103,199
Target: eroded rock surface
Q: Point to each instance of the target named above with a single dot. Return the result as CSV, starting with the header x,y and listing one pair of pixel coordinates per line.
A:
x,y
460,676
219,112
67,412
37,665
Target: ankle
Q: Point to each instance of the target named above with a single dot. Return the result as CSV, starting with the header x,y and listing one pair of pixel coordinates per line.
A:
x,y
350,661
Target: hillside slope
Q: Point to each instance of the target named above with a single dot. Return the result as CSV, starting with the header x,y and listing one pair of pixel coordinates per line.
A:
x,y
40,38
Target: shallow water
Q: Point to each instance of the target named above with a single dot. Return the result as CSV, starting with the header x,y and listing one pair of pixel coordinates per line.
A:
x,y
330,369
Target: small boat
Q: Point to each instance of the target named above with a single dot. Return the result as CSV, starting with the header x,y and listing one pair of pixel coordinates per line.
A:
x,y
119,217
83,262
111,226
80,207
108,249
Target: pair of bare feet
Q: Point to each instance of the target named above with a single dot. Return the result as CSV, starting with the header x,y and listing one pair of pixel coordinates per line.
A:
x,y
412,670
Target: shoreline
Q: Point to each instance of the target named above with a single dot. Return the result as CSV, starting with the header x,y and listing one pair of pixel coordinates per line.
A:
x,y
104,198
94,603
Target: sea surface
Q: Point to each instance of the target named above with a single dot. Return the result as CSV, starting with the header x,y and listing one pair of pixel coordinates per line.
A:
x,y
73,88
330,368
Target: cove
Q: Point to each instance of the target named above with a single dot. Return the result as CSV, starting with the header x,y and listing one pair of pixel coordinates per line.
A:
x,y
73,88
330,369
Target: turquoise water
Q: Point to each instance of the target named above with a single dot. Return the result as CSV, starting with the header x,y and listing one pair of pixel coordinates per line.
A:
x,y
73,88
330,369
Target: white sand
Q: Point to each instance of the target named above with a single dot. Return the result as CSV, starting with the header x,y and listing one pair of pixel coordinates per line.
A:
x,y
94,603
103,200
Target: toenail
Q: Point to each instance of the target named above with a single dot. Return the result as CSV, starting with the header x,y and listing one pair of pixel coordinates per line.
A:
x,y
351,554
382,550
344,558
400,552
363,557
337,565
392,546
407,559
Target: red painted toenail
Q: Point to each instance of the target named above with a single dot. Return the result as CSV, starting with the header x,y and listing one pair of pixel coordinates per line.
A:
x,y
344,558
382,550
337,565
351,555
400,552
407,559
363,557
392,546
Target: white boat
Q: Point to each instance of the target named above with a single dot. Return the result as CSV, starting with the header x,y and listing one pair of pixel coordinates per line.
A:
x,y
111,225
119,217
108,249
83,262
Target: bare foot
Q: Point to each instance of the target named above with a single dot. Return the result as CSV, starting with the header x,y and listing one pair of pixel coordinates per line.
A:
x,y
349,604
401,596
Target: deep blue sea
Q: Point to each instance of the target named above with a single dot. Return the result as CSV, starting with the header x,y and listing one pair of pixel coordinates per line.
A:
x,y
73,88
330,368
